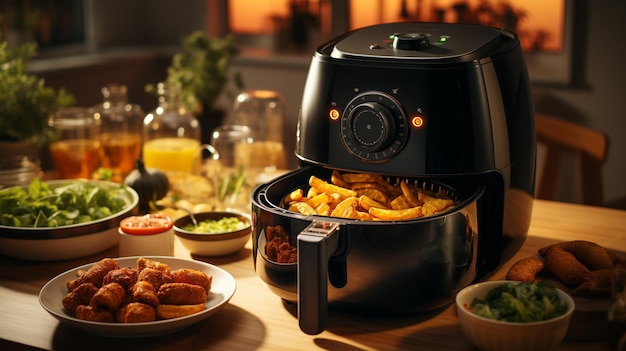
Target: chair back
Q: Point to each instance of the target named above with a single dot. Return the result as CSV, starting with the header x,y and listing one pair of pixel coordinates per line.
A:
x,y
590,148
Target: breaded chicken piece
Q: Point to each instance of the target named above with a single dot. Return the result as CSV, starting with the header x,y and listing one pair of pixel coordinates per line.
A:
x,y
181,294
108,297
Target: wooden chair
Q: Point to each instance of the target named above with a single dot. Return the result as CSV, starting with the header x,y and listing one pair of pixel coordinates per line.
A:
x,y
588,145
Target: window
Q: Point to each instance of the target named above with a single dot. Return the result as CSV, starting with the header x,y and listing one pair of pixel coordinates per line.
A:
x,y
52,23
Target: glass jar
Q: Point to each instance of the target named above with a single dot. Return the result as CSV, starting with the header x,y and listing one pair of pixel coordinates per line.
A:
x,y
75,148
263,111
171,133
18,170
120,130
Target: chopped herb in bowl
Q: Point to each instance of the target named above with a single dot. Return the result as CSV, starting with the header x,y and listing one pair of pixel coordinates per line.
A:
x,y
520,302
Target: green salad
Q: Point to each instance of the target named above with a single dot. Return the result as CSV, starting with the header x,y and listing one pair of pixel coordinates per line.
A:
x,y
520,302
216,226
39,205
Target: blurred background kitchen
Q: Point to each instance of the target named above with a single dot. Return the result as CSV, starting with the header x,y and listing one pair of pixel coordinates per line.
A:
x,y
571,49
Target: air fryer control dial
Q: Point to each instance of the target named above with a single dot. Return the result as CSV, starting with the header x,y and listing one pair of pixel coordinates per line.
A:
x,y
410,41
373,126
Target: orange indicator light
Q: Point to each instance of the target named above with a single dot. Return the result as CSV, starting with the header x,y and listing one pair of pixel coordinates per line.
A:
x,y
333,114
417,121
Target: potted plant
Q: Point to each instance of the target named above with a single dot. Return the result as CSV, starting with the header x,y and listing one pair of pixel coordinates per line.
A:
x,y
202,70
25,101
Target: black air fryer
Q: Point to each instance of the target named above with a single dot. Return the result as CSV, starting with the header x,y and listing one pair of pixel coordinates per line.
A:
x,y
443,106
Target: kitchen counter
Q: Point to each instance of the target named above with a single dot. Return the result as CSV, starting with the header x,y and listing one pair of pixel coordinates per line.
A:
x,y
256,319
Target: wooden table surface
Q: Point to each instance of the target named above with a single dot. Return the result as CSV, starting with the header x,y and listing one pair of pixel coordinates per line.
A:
x,y
256,319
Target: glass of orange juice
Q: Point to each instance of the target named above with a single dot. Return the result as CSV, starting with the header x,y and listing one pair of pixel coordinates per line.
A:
x,y
75,149
171,154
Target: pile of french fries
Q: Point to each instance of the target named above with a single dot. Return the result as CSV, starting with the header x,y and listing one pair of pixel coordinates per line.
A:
x,y
365,196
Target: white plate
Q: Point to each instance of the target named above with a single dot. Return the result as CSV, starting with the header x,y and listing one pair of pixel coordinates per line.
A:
x,y
222,289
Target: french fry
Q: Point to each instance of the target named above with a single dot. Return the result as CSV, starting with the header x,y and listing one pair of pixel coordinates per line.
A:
x,y
374,194
410,197
326,187
318,200
302,207
396,215
175,311
337,179
346,208
399,203
323,209
436,205
295,195
367,202
312,192
361,178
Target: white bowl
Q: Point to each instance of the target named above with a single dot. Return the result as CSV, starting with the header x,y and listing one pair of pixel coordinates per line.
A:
x,y
492,335
70,241
222,290
221,244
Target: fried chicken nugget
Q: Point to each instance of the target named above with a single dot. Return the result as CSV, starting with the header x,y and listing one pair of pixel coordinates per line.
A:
x,y
143,263
108,297
81,295
588,253
88,313
192,276
525,270
565,266
125,276
95,274
181,294
144,292
155,277
597,285
135,312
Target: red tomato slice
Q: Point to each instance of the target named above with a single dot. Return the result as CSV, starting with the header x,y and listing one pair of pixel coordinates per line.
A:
x,y
145,225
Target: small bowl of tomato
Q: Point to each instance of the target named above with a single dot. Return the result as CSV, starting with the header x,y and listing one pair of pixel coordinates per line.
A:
x,y
511,315
216,233
148,235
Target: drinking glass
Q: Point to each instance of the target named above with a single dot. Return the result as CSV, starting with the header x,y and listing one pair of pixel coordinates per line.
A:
x,y
76,148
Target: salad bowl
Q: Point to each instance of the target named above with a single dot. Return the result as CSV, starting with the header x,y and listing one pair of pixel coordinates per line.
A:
x,y
489,334
70,232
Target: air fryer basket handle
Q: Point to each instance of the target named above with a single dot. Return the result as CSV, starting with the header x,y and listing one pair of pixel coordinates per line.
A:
x,y
316,244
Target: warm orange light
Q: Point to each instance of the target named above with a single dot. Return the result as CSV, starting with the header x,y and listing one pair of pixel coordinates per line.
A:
x,y
334,114
417,121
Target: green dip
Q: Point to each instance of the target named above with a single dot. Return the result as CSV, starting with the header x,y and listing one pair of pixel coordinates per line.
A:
x,y
213,226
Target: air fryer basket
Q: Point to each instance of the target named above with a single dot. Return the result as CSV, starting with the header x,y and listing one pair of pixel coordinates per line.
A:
x,y
403,266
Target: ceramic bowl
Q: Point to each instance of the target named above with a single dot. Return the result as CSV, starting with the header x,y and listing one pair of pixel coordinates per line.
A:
x,y
489,334
218,244
69,241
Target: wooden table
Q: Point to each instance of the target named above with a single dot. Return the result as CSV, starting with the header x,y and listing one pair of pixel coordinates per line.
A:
x,y
256,319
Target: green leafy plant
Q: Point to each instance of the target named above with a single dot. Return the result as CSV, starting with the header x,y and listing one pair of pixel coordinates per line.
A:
x,y
202,70
25,101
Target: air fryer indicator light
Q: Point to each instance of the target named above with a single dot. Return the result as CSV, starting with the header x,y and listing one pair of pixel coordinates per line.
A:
x,y
417,121
334,114
442,40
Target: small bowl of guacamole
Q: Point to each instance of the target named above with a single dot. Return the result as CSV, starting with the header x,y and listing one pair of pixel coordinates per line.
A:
x,y
216,233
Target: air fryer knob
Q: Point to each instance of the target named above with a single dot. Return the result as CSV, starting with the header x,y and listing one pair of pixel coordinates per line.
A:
x,y
373,127
410,41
